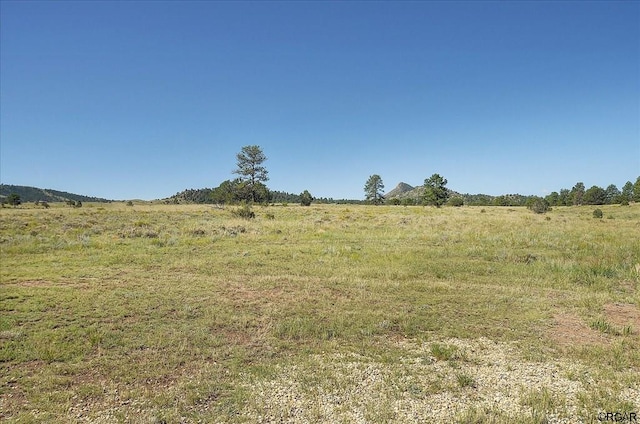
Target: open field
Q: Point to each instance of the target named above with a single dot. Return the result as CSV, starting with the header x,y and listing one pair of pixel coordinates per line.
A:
x,y
331,313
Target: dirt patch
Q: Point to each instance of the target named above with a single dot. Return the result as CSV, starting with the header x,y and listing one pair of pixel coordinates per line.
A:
x,y
623,315
47,284
569,330
34,283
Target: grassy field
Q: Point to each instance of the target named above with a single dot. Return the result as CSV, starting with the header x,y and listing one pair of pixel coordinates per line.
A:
x,y
331,313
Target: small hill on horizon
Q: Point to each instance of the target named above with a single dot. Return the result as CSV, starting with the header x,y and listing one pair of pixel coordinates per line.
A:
x,y
406,191
34,194
399,190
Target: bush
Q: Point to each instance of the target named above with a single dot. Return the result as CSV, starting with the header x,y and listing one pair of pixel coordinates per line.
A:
x,y
244,212
456,201
597,214
14,199
539,205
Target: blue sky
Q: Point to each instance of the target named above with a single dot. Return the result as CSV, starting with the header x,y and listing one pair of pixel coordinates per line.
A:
x,y
144,99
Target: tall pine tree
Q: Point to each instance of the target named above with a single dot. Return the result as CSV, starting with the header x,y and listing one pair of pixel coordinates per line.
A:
x,y
252,174
373,189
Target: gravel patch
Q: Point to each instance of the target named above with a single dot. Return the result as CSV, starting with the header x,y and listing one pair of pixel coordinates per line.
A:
x,y
476,376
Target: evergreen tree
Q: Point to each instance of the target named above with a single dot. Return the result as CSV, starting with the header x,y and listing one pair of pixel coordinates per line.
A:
x,y
627,192
612,194
553,198
636,190
594,196
577,194
565,197
306,198
373,189
252,173
435,192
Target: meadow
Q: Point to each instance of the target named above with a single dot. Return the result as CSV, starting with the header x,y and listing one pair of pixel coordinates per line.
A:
x,y
158,313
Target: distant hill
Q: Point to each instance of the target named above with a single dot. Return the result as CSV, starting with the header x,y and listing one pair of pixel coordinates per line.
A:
x,y
404,192
33,194
399,190
200,195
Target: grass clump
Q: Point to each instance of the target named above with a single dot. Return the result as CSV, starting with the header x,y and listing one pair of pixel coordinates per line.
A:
x,y
543,402
443,352
465,380
245,212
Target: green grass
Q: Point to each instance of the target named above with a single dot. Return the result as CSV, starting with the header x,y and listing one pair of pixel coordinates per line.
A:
x,y
158,313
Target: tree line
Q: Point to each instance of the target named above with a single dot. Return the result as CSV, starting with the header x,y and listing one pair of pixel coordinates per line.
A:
x,y
249,187
595,195
435,193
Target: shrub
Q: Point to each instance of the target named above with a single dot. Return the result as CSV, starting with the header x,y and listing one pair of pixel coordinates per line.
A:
x,y
244,212
456,201
129,203
539,205
443,352
597,213
14,199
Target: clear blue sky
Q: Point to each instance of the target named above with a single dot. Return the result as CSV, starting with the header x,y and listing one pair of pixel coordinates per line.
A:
x,y
144,99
